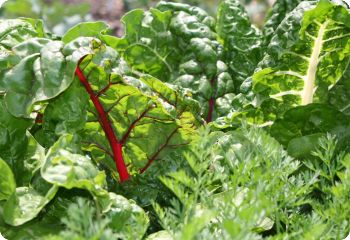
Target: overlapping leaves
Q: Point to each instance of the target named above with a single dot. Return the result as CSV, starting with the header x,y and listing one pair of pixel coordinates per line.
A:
x,y
177,43
37,70
147,117
242,41
307,56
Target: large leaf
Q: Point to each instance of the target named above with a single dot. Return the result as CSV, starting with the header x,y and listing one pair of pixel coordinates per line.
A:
x,y
177,43
25,204
67,113
301,128
7,181
339,95
15,31
308,55
131,120
18,148
65,167
32,230
37,70
279,11
147,45
242,41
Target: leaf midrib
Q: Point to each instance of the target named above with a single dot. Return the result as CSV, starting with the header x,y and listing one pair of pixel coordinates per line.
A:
x,y
309,80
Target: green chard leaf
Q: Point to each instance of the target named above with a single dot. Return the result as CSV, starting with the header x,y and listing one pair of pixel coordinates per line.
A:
x,y
339,95
32,230
307,56
131,120
18,148
242,41
25,204
15,31
277,14
7,181
301,128
86,29
127,218
64,166
177,44
37,70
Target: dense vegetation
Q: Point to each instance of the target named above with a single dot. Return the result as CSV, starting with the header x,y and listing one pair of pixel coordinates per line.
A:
x,y
187,127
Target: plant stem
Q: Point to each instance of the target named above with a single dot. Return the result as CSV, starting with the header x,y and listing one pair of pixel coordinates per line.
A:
x,y
211,110
106,126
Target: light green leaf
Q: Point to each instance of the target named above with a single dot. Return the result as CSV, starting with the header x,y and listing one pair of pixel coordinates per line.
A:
x,y
127,218
301,128
25,204
139,108
86,29
43,69
264,225
7,181
15,31
65,166
307,56
160,235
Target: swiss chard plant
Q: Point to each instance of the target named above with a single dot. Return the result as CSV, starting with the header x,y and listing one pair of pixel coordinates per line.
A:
x,y
189,126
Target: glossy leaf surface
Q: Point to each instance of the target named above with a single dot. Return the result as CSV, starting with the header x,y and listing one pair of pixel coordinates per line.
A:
x,y
306,57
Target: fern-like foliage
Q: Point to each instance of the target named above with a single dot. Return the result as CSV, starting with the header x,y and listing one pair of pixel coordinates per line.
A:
x,y
243,185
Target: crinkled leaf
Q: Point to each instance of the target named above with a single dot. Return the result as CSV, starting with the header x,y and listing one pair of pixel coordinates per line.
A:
x,y
68,113
339,95
147,45
242,41
308,55
146,117
177,43
279,11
